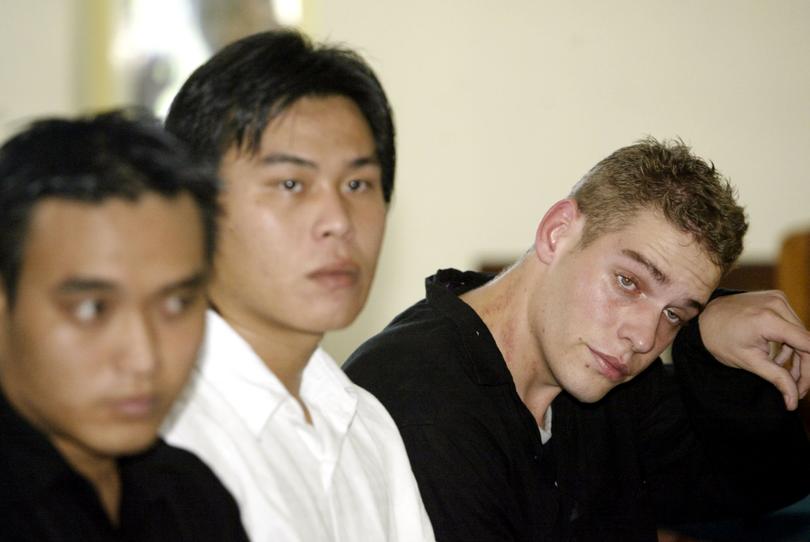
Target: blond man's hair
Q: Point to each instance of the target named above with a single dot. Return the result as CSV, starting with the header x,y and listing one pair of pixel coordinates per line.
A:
x,y
667,178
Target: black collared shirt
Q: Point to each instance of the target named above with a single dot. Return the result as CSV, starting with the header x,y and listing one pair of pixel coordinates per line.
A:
x,y
167,495
612,471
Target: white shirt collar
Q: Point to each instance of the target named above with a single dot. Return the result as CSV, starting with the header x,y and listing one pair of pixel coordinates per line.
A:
x,y
254,392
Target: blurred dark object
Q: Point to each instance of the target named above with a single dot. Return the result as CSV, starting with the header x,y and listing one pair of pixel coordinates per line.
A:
x,y
151,77
791,524
225,21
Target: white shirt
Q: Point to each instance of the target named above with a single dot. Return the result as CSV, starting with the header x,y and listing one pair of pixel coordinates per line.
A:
x,y
545,429
344,478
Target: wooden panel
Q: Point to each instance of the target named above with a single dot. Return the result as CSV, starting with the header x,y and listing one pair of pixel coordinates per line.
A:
x,y
751,276
793,273
793,278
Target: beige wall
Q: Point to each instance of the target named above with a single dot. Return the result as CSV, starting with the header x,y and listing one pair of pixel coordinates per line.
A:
x,y
37,60
501,106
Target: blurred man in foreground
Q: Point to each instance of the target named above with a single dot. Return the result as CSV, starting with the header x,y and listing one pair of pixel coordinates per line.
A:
x,y
106,232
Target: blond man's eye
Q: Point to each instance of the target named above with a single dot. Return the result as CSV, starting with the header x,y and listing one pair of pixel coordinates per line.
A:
x,y
625,282
672,317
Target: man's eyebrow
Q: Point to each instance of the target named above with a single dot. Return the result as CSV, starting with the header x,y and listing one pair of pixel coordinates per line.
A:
x,y
81,285
192,282
284,158
657,274
364,161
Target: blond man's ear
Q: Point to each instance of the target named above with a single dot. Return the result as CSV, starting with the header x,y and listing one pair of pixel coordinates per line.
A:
x,y
561,225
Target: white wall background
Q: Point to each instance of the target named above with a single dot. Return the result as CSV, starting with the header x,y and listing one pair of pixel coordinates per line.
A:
x,y
502,106
37,67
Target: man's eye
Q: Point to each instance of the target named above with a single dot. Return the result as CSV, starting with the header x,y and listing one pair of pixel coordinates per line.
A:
x,y
355,185
175,305
672,317
291,185
626,283
88,310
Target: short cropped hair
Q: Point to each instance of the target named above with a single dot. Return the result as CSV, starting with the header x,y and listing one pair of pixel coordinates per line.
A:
x,y
665,177
229,101
118,154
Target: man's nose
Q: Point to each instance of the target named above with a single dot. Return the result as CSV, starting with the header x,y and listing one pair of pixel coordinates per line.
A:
x,y
639,326
333,217
141,352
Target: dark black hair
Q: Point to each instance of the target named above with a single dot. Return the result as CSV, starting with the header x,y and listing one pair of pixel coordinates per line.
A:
x,y
229,100
121,154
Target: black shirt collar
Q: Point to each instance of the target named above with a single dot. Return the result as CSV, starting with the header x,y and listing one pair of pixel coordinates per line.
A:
x,y
30,457
37,469
443,290
167,494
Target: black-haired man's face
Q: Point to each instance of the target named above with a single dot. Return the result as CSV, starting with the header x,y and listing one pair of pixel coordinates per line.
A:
x,y
107,321
303,221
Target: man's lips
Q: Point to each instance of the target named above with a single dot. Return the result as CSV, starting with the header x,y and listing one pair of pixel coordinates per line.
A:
x,y
136,406
337,275
609,366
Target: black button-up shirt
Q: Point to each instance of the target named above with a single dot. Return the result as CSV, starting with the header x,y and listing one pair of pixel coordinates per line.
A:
x,y
167,494
711,443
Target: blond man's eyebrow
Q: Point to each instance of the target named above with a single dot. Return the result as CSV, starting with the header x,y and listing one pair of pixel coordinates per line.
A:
x,y
659,276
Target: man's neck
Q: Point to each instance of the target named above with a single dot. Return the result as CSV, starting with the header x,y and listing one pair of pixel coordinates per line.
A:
x,y
502,304
284,350
101,471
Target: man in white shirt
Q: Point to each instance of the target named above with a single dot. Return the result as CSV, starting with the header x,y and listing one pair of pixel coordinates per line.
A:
x,y
303,140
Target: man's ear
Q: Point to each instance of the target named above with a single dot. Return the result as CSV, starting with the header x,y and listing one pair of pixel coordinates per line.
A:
x,y
5,320
3,301
5,308
561,223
